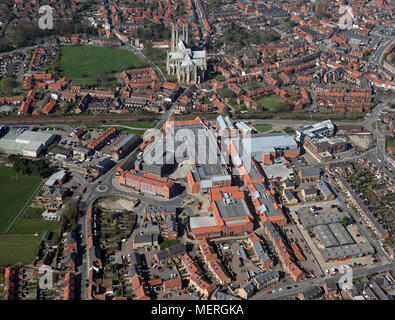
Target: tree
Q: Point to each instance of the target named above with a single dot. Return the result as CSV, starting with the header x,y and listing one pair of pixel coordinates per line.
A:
x,y
346,221
69,212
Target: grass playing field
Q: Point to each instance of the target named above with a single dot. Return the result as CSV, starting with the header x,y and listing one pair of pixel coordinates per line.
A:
x,y
84,64
263,127
29,223
18,248
168,243
15,190
271,102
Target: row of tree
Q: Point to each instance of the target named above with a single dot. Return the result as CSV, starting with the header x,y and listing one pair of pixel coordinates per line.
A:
x,y
28,166
29,33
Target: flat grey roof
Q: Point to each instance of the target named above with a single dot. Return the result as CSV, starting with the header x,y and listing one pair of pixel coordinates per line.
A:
x,y
341,233
202,222
258,143
308,220
352,250
234,209
307,172
326,236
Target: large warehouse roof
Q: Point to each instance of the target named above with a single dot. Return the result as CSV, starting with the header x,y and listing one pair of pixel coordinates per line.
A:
x,y
256,144
29,143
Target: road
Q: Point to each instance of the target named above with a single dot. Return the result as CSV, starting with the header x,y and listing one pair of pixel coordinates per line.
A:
x,y
378,54
107,185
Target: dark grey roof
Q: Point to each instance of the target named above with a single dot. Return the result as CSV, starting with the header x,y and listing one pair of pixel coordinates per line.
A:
x,y
312,293
232,209
144,238
331,285
249,287
266,201
132,271
135,258
307,172
310,221
272,231
161,208
310,190
176,249
219,295
264,278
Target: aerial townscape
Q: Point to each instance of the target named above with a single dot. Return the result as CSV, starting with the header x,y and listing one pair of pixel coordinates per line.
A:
x,y
215,150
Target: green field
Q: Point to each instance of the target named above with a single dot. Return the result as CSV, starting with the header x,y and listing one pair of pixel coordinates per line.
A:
x,y
87,65
29,223
271,103
168,243
18,248
15,190
263,127
138,124
389,142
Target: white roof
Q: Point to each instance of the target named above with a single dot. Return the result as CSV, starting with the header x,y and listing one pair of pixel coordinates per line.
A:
x,y
202,222
199,54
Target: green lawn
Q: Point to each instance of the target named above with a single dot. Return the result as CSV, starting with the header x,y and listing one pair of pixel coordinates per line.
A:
x,y
389,142
132,131
18,248
29,223
263,127
138,124
28,226
271,102
168,243
289,130
85,64
15,190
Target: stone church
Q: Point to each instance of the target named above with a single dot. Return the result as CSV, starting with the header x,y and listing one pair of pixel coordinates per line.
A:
x,y
189,66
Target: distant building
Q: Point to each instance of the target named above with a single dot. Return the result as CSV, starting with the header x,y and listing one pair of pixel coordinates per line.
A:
x,y
189,66
125,146
147,183
27,143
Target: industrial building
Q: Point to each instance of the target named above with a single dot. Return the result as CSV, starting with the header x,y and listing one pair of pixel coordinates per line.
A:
x,y
309,221
208,176
347,252
147,183
208,166
333,235
27,143
225,127
323,148
266,148
158,165
230,215
320,129
125,146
